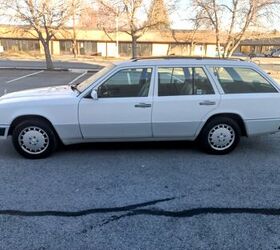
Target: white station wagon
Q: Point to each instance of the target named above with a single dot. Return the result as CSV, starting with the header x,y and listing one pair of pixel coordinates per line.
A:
x,y
209,100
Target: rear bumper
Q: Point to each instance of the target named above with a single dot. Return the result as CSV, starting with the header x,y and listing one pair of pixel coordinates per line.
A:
x,y
4,132
263,126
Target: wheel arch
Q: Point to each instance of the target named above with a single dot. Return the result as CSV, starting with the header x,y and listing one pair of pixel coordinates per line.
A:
x,y
22,118
234,116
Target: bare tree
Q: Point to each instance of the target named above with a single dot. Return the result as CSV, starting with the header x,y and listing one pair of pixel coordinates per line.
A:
x,y
127,13
43,19
88,18
189,36
232,19
159,14
76,8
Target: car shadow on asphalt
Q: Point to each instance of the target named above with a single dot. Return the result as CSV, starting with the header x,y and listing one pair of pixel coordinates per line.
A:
x,y
113,146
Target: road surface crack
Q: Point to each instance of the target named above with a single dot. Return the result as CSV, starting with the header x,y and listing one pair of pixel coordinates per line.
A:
x,y
139,209
196,212
82,212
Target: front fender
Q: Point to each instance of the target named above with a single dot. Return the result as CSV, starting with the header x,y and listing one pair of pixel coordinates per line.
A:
x,y
62,114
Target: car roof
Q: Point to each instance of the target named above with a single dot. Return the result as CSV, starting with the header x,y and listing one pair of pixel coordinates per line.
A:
x,y
166,61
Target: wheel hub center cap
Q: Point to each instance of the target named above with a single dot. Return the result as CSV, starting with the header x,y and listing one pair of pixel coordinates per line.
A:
x,y
33,140
221,137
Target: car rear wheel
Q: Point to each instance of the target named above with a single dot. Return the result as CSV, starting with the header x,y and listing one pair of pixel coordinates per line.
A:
x,y
220,136
34,139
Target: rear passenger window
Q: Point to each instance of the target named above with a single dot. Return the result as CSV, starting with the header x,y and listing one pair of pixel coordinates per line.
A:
x,y
241,80
183,81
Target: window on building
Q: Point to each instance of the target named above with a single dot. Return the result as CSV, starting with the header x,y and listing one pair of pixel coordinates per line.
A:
x,y
88,48
143,49
10,44
125,49
127,83
66,47
17,45
242,80
183,81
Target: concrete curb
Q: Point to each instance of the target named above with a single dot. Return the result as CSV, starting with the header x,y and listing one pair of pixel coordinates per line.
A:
x,y
73,70
84,70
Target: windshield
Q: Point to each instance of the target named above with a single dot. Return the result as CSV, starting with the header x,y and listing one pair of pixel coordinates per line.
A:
x,y
85,84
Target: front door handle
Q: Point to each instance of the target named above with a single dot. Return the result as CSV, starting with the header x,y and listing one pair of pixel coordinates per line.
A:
x,y
207,103
143,105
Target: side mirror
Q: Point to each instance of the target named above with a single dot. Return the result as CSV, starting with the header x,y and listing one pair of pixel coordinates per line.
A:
x,y
94,94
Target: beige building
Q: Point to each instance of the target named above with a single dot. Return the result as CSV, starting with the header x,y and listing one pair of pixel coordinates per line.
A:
x,y
95,42
154,43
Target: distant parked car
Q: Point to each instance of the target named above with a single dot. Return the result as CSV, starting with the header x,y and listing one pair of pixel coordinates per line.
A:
x,y
260,55
276,53
212,101
270,52
238,54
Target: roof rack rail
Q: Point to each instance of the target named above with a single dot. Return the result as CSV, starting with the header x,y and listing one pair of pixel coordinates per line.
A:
x,y
183,57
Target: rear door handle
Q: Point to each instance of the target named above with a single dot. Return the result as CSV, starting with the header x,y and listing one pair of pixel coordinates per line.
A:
x,y
207,103
143,105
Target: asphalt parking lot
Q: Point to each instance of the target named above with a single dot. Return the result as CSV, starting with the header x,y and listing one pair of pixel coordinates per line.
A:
x,y
137,195
15,80
40,64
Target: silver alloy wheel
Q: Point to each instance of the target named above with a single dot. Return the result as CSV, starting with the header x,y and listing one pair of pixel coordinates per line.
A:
x,y
221,137
33,140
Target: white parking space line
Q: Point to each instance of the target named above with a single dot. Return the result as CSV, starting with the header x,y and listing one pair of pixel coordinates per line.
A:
x,y
32,74
77,78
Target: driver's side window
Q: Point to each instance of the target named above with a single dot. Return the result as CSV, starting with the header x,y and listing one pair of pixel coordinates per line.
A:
x,y
127,83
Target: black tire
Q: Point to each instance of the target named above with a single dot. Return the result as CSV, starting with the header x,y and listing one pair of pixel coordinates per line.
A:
x,y
220,136
29,135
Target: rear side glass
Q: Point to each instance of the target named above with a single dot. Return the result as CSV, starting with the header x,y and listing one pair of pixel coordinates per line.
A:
x,y
238,80
183,81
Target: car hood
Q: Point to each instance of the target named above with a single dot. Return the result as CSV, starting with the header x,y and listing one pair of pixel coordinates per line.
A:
x,y
41,92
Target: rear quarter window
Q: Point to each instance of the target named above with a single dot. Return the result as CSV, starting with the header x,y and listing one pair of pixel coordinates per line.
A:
x,y
237,80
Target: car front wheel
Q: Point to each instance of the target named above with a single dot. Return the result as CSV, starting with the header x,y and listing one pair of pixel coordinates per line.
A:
x,y
220,136
34,139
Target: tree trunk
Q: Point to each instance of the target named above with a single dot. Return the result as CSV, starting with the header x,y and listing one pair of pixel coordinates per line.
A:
x,y
74,42
48,57
232,50
227,52
218,43
134,46
191,48
75,47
